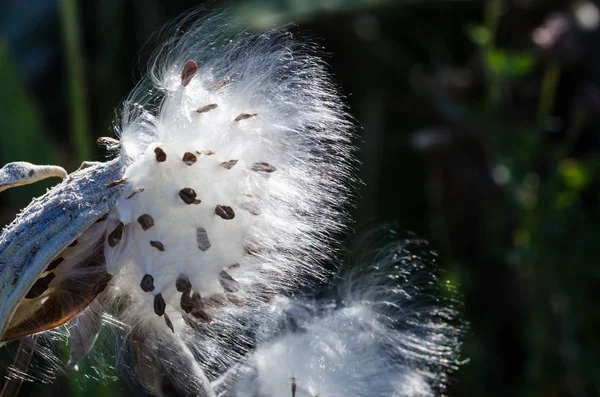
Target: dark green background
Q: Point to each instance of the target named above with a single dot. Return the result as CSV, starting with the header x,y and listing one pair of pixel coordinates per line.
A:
x,y
471,136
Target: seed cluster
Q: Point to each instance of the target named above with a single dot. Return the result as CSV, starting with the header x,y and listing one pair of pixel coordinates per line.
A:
x,y
194,307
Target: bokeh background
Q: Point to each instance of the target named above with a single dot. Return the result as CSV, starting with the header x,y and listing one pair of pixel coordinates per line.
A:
x,y
478,132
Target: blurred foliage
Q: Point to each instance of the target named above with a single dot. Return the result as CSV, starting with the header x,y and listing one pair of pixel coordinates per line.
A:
x,y
21,123
479,132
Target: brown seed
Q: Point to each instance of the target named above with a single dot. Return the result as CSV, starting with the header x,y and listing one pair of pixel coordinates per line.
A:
x,y
159,304
134,193
218,300
202,316
54,264
183,283
189,70
40,286
244,116
206,108
146,221
220,84
236,299
225,212
160,155
197,301
228,283
189,158
116,183
205,152
186,302
191,303
263,167
194,324
234,266
252,250
229,164
147,283
188,195
202,239
158,245
73,244
115,236
169,323
105,140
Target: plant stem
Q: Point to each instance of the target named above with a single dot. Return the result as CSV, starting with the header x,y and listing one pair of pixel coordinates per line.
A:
x,y
548,92
79,117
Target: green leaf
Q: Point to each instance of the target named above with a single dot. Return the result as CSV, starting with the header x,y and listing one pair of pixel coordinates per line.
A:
x,y
506,64
480,35
574,174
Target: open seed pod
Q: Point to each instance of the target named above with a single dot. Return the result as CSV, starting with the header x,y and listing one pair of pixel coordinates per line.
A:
x,y
231,172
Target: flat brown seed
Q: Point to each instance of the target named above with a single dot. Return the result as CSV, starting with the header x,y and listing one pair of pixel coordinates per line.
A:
x,y
202,316
158,245
220,84
159,304
196,301
188,195
202,239
252,250
183,283
229,164
40,286
263,167
105,140
236,299
189,71
115,236
160,155
189,158
145,221
245,116
234,266
205,152
147,283
116,183
218,300
54,264
169,323
198,311
224,212
206,108
73,244
136,191
228,283
186,302
193,323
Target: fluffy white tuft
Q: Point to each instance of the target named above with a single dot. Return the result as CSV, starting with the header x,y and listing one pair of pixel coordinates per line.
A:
x,y
391,332
237,163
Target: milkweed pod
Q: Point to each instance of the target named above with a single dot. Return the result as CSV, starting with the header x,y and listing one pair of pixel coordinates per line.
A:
x,y
233,167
